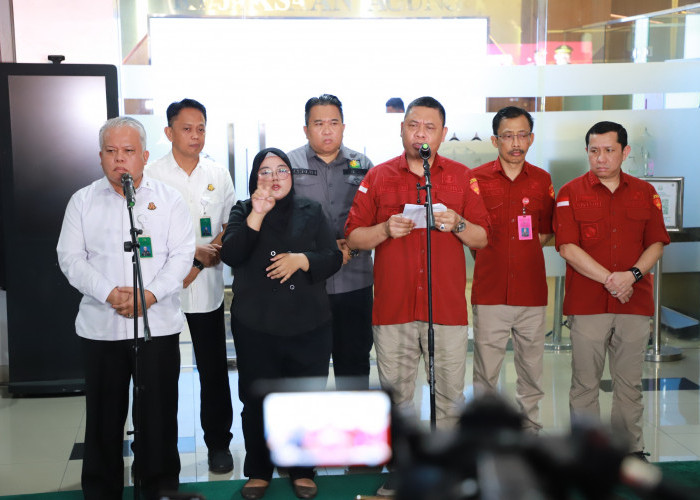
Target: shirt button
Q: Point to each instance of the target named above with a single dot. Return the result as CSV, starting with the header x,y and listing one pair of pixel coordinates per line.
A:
x,y
273,253
614,230
291,287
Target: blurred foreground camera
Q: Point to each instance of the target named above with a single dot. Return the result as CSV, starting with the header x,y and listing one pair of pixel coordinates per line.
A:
x,y
490,457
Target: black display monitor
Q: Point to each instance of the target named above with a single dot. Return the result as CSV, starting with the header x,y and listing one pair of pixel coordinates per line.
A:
x,y
50,116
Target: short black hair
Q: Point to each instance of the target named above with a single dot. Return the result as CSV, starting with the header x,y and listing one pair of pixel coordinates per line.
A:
x,y
395,102
322,100
510,112
175,108
428,102
605,127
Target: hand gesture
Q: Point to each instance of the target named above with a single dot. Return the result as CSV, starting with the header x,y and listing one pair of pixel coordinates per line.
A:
x,y
262,201
286,264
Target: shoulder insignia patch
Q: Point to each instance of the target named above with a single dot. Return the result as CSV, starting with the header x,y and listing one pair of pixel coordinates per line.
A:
x,y
474,184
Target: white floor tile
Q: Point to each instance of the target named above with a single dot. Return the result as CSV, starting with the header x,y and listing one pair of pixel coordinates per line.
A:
x,y
18,478
39,433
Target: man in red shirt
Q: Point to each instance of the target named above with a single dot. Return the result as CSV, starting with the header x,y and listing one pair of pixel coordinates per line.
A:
x,y
609,227
509,292
400,311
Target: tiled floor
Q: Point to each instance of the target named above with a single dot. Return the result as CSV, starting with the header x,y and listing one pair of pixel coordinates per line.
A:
x,y
37,435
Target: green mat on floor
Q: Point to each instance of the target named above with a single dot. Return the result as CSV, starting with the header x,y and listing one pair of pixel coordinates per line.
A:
x,y
345,487
329,488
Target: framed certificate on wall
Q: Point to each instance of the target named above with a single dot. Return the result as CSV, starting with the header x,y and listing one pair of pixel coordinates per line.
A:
x,y
670,191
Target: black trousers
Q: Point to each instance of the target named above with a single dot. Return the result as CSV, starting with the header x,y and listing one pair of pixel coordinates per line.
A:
x,y
261,356
352,337
109,367
208,332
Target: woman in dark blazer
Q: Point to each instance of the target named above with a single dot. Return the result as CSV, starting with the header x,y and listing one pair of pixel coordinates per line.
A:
x,y
281,249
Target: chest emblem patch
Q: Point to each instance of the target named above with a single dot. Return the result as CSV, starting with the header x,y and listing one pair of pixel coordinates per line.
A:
x,y
151,206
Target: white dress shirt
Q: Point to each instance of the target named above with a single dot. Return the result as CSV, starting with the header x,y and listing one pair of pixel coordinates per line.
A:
x,y
208,192
91,255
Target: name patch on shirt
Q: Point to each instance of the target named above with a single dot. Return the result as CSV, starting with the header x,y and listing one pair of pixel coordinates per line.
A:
x,y
450,188
588,204
304,171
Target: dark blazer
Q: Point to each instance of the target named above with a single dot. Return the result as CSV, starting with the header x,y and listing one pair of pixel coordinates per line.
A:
x,y
298,305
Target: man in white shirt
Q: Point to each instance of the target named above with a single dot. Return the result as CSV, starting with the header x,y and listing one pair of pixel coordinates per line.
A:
x,y
91,255
208,191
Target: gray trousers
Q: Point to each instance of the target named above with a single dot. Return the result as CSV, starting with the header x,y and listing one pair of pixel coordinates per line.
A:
x,y
493,324
399,348
625,338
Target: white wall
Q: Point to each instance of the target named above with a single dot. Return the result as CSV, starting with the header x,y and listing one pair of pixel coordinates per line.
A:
x,y
84,31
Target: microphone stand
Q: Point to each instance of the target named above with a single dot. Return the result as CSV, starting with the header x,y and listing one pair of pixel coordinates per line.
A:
x,y
133,246
430,222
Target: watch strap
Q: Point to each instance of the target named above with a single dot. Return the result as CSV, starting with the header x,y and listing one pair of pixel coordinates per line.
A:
x,y
196,263
637,273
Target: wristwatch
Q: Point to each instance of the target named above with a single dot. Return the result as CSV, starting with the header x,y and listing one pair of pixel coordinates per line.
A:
x,y
197,264
461,226
354,252
637,273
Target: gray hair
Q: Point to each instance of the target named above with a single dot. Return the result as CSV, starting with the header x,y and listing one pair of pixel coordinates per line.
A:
x,y
123,121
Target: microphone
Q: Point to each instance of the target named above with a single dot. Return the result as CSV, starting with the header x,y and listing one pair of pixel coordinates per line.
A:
x,y
128,187
424,152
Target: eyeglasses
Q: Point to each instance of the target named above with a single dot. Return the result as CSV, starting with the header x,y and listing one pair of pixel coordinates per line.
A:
x,y
509,137
267,173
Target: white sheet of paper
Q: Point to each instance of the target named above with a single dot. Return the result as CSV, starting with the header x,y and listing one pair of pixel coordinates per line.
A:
x,y
417,213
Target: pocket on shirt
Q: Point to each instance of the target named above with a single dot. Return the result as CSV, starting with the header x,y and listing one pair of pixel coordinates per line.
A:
x,y
453,201
591,223
638,214
494,205
305,179
386,211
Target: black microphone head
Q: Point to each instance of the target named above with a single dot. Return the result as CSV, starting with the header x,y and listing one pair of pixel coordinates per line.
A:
x,y
425,151
127,178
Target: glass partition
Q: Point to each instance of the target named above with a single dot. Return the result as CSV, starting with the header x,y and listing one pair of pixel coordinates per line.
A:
x,y
254,63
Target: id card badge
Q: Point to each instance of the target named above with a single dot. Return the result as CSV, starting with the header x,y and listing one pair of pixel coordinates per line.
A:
x,y
524,227
205,226
145,247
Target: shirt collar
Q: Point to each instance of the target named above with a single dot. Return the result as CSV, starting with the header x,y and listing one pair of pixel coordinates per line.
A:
x,y
498,167
146,182
437,163
310,153
175,167
593,179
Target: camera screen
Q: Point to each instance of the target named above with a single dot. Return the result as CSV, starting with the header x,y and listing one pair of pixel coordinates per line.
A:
x,y
334,428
